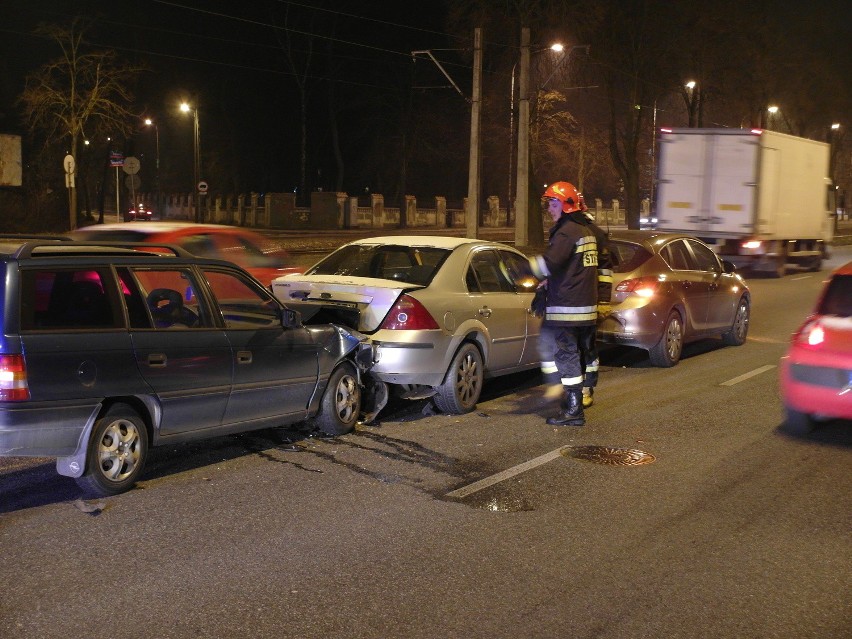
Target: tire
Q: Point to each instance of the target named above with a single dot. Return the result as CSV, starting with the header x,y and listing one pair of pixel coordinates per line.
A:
x,y
814,264
780,267
341,402
739,330
117,451
799,423
667,351
463,382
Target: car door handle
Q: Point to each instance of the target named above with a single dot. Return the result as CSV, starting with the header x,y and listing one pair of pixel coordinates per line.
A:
x,y
243,357
157,360
485,311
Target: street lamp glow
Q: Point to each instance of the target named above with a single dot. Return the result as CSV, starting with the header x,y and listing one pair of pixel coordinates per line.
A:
x,y
184,107
773,110
690,85
835,126
557,46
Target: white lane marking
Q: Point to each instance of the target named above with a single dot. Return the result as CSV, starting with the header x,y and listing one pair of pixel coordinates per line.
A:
x,y
800,277
464,491
745,376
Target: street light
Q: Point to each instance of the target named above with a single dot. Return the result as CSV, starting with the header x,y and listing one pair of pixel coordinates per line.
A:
x,y
771,110
557,47
150,122
196,158
691,96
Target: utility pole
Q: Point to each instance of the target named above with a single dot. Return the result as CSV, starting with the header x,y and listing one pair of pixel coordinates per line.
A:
x,y
472,212
522,183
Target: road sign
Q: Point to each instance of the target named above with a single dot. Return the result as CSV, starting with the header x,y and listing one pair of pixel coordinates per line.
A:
x,y
68,163
202,187
116,158
131,165
132,182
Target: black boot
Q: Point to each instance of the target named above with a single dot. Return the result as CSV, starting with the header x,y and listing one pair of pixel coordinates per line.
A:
x,y
572,414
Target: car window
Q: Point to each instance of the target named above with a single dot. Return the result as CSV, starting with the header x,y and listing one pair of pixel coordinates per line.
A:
x,y
519,270
837,299
54,299
677,256
201,244
704,257
414,264
490,273
627,256
242,304
170,298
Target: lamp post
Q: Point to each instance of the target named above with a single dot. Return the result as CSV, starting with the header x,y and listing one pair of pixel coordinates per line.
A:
x,y
832,161
558,48
691,102
149,122
771,111
196,158
522,221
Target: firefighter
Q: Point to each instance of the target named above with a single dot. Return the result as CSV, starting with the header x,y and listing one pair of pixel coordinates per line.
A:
x,y
570,268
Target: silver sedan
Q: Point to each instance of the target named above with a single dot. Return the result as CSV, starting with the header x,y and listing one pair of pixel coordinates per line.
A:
x,y
442,312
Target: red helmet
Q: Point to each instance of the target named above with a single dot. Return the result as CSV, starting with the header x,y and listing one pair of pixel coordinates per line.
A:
x,y
566,193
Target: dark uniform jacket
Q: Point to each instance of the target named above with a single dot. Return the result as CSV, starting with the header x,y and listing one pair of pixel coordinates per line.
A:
x,y
570,266
604,263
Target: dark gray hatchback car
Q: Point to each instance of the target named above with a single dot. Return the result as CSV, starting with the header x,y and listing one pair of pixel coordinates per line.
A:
x,y
109,349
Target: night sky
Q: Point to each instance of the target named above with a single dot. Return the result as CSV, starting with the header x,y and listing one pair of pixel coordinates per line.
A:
x,y
228,59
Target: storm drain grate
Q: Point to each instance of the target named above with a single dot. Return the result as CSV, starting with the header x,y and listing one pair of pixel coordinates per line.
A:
x,y
610,456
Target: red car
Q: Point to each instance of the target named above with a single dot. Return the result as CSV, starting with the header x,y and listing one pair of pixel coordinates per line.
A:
x,y
245,248
816,372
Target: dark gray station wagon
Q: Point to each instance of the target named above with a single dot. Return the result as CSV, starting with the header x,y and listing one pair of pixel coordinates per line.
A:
x,y
107,350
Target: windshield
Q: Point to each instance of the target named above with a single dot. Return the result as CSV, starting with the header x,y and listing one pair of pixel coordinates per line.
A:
x,y
838,297
412,264
627,256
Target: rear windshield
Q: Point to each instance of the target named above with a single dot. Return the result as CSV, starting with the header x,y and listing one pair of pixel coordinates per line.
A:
x,y
411,264
838,297
627,256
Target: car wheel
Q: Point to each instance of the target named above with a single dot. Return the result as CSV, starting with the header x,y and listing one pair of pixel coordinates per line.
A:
x,y
739,330
667,351
463,382
799,423
341,403
117,452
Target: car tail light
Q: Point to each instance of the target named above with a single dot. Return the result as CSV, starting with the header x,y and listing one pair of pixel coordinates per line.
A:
x,y
812,334
408,315
13,378
641,286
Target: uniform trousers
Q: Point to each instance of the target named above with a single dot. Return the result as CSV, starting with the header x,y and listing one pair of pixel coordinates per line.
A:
x,y
568,353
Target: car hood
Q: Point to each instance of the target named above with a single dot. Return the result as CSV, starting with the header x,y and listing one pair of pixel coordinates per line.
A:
x,y
372,297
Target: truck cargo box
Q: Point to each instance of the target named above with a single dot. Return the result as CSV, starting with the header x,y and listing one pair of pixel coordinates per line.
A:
x,y
761,198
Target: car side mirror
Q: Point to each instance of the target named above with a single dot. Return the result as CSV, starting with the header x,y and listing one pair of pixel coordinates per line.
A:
x,y
728,267
290,318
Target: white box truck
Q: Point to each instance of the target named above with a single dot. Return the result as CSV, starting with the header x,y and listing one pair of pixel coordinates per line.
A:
x,y
761,199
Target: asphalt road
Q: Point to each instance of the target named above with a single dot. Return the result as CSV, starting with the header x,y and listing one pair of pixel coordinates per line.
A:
x,y
482,525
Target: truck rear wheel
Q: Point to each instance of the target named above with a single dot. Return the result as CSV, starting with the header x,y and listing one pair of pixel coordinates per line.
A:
x,y
780,267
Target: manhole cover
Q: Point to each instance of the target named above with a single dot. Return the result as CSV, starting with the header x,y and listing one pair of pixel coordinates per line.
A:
x,y
609,455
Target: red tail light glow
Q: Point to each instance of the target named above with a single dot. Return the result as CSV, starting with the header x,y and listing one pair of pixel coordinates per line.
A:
x,y
13,378
408,315
641,286
812,334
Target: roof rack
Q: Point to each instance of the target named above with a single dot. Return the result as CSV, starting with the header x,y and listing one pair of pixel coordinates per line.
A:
x,y
138,248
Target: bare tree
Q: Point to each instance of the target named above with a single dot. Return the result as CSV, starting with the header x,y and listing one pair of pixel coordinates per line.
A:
x,y
78,91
